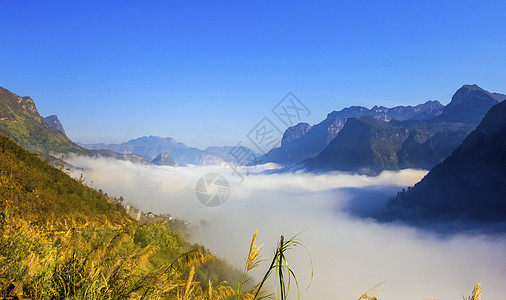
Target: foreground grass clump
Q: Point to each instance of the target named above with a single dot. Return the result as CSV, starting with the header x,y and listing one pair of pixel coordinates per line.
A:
x,y
60,239
101,263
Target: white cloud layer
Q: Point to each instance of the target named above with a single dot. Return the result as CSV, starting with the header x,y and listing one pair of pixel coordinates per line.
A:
x,y
349,254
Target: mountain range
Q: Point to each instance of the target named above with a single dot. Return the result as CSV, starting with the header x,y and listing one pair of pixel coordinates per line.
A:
x,y
20,120
354,139
304,141
151,147
464,143
470,185
369,144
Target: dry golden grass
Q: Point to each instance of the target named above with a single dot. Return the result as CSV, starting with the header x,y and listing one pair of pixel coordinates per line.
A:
x,y
476,294
254,253
369,295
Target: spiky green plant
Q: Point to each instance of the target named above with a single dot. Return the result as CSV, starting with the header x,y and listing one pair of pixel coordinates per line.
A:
x,y
283,274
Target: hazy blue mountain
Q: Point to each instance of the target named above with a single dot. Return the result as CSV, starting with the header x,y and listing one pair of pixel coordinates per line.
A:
x,y
152,146
469,185
147,146
138,159
53,122
303,141
371,146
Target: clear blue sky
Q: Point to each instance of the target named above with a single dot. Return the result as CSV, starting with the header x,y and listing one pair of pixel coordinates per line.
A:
x,y
205,72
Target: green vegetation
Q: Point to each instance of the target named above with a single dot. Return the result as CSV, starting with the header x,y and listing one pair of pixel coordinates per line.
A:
x,y
20,121
63,240
279,265
282,271
37,136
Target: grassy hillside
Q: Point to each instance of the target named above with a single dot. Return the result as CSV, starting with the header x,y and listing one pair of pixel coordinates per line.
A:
x,y
63,240
34,191
20,121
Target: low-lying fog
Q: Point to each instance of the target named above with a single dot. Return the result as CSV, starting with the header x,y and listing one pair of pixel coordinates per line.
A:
x,y
349,254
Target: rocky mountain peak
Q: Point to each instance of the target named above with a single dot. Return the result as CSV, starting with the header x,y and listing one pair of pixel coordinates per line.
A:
x,y
53,122
473,87
469,105
27,104
295,132
431,104
20,120
163,159
18,103
465,92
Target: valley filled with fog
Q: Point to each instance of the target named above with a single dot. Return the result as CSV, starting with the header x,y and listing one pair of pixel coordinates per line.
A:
x,y
349,254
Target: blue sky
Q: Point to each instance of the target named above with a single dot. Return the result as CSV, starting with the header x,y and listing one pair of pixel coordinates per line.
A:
x,y
206,72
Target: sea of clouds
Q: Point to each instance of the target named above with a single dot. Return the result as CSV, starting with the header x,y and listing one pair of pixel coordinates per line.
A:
x,y
349,254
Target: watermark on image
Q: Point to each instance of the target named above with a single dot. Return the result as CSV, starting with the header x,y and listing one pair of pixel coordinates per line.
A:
x,y
290,110
212,189
239,159
265,136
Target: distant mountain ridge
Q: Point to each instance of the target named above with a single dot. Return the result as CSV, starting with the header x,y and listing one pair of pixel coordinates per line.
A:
x,y
152,146
147,146
369,147
353,139
20,120
418,136
303,141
